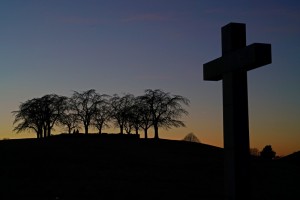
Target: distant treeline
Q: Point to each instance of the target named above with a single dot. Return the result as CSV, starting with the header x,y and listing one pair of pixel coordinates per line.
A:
x,y
155,108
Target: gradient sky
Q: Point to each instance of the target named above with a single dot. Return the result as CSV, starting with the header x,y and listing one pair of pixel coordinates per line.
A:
x,y
127,46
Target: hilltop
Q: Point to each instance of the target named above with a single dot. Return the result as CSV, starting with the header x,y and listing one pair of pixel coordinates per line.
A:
x,y
92,167
293,158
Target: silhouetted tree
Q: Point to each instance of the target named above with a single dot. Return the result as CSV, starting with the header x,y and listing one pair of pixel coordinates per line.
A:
x,y
120,110
254,152
267,153
53,107
70,120
191,138
84,105
144,114
165,109
136,116
102,115
132,116
29,117
40,114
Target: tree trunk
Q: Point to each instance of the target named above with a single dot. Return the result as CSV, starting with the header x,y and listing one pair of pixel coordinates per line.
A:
x,y
121,129
146,133
39,134
45,132
136,130
100,128
86,129
49,131
155,131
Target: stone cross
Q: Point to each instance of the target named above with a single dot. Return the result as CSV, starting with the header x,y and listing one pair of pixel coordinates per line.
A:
x,y
232,67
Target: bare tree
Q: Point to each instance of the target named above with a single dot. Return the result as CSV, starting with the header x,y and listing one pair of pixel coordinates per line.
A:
x,y
84,105
135,118
102,115
53,107
120,111
144,114
29,117
191,137
70,121
166,109
40,114
131,117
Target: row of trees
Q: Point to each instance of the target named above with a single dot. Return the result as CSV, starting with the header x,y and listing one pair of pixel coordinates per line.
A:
x,y
156,108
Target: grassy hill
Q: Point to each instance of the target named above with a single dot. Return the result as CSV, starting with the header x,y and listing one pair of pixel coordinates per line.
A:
x,y
80,167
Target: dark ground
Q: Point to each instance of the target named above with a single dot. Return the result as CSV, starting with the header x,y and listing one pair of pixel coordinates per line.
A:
x,y
95,167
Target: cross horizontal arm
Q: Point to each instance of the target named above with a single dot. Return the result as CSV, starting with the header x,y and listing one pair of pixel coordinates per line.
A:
x,y
248,58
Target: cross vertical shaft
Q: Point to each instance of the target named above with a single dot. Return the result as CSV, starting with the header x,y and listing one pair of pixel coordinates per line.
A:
x,y
232,67
235,117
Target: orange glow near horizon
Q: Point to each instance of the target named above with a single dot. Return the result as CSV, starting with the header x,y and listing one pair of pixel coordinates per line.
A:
x,y
209,134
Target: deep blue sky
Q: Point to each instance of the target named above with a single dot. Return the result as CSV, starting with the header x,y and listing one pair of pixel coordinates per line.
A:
x,y
122,46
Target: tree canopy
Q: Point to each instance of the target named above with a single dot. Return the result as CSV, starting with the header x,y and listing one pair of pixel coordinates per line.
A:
x,y
165,109
40,114
267,153
191,137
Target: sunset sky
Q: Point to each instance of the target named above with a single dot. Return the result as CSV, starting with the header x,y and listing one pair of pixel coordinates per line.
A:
x,y
127,46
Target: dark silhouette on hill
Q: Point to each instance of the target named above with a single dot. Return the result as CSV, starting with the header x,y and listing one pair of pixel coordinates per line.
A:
x,y
191,138
267,153
165,109
84,105
40,114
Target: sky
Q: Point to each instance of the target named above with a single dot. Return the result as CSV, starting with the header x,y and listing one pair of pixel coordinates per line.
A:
x,y
127,46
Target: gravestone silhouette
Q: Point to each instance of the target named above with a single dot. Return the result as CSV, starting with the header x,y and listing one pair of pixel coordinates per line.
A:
x,y
231,68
